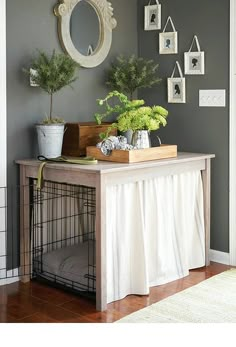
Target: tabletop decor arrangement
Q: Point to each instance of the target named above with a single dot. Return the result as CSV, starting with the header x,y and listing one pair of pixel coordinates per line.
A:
x,y
132,115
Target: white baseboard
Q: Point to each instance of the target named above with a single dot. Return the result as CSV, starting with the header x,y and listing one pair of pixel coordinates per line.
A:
x,y
219,257
12,277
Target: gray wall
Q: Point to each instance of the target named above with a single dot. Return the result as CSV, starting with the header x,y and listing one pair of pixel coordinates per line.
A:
x,y
191,127
32,25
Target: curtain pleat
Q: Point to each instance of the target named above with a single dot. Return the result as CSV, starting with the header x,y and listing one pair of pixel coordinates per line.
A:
x,y
155,232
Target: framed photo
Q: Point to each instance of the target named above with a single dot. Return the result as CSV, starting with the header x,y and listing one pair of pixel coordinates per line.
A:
x,y
176,90
152,17
168,43
194,62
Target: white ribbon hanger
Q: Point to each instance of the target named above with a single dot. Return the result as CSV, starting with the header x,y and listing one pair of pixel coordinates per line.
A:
x,y
171,23
179,69
197,44
157,2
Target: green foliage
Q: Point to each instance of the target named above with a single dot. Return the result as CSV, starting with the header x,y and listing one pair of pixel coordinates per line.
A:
x,y
144,118
54,120
52,74
126,75
131,115
105,135
124,105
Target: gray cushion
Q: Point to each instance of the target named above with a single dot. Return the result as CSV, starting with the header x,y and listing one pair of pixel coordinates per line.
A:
x,y
71,263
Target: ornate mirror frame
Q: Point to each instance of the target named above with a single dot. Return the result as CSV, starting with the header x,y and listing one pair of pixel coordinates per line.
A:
x,y
107,23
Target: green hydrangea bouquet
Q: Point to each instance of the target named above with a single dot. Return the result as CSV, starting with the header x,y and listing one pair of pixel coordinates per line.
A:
x,y
131,115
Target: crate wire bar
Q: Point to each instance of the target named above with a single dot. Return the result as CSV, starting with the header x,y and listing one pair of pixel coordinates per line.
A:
x,y
62,236
9,237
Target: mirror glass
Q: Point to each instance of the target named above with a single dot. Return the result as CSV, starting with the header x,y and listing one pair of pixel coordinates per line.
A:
x,y
85,28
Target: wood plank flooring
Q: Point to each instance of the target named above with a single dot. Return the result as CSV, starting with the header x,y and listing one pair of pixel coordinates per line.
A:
x,y
38,303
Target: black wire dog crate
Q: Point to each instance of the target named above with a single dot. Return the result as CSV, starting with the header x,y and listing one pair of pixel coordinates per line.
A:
x,y
62,237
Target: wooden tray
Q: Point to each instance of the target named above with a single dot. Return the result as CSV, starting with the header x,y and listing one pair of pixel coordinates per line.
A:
x,y
134,156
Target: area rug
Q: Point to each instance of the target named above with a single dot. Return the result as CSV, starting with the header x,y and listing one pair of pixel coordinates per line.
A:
x,y
211,301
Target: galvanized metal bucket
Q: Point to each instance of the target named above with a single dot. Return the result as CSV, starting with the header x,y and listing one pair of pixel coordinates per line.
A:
x,y
50,139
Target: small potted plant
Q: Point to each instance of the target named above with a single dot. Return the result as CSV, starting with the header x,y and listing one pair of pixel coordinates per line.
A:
x,y
51,74
133,115
126,75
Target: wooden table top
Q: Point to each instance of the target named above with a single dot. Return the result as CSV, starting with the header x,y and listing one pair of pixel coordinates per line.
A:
x,y
107,167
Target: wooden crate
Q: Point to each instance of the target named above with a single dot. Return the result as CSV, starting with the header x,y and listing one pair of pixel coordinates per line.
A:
x,y
134,156
80,135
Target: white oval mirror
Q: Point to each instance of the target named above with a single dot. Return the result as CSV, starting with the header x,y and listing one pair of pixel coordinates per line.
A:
x,y
85,29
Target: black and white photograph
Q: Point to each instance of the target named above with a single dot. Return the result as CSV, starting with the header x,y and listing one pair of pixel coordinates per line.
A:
x,y
194,63
168,41
176,90
152,17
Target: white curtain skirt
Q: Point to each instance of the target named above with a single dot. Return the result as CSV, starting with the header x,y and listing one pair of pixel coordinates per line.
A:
x,y
155,233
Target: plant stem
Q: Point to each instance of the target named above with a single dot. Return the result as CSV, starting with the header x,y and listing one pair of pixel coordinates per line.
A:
x,y
50,114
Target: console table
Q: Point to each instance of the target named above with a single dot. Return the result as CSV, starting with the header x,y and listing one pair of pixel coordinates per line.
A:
x,y
101,176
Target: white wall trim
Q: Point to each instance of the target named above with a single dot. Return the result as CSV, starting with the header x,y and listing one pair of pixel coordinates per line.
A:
x,y
232,137
3,132
219,257
12,277
3,92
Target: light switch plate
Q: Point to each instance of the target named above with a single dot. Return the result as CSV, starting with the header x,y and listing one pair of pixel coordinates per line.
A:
x,y
212,98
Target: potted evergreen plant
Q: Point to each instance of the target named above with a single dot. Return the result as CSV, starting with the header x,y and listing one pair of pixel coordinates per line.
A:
x,y
51,74
126,75
132,115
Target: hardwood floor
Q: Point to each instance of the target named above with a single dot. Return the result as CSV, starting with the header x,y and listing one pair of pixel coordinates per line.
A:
x,y
38,303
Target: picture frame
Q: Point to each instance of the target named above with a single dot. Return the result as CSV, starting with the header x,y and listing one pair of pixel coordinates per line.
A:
x,y
176,87
194,62
168,41
152,16
176,90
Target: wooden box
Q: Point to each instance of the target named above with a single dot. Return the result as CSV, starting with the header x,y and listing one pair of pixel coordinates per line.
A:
x,y
134,156
80,135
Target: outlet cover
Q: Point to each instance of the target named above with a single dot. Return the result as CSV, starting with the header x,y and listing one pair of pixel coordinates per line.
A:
x,y
212,98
